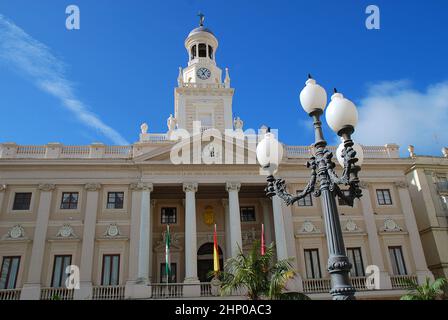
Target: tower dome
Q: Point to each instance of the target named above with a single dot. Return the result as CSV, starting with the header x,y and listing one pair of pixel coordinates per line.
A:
x,y
201,43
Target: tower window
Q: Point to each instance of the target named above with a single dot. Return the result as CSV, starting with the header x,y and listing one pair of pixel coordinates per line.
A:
x,y
202,50
193,52
210,52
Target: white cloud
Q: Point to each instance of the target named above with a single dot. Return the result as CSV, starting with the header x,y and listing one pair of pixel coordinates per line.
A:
x,y
35,60
394,112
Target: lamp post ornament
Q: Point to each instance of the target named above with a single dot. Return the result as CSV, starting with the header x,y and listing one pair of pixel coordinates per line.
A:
x,y
342,117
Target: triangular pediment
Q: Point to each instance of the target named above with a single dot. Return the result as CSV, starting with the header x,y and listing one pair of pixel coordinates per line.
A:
x,y
241,154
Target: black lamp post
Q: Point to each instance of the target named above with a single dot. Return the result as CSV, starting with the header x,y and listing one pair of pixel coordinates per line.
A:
x,y
342,117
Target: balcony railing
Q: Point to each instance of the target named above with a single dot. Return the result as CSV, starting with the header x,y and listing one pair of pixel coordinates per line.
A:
x,y
324,285
401,282
10,294
56,294
375,152
316,285
98,151
167,290
206,289
108,293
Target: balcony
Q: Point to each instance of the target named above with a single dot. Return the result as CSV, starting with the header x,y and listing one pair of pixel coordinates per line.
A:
x,y
56,294
108,293
10,294
402,282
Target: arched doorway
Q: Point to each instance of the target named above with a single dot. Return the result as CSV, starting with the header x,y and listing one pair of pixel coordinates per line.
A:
x,y
205,261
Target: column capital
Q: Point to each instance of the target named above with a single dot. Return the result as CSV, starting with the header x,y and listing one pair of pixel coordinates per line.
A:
x,y
233,186
92,186
364,184
401,184
142,186
46,187
3,187
190,187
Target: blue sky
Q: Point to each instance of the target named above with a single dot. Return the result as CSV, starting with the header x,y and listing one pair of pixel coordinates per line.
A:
x,y
120,68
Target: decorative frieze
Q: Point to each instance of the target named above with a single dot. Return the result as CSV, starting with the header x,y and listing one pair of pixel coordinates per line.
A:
x,y
92,186
142,186
46,187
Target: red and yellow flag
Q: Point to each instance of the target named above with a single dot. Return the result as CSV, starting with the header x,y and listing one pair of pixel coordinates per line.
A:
x,y
215,252
263,246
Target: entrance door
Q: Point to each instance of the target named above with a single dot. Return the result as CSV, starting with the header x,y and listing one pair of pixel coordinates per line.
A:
x,y
205,261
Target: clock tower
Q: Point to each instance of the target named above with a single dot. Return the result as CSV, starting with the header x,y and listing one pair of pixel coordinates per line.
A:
x,y
201,94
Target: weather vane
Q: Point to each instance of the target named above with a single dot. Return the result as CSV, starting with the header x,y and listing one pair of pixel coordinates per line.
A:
x,y
201,19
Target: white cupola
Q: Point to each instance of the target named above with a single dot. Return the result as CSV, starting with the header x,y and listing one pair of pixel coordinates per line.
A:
x,y
201,45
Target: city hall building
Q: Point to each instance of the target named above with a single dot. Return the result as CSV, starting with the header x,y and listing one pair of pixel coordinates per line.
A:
x,y
106,208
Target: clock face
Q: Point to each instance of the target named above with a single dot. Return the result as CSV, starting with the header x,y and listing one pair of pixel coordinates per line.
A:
x,y
204,73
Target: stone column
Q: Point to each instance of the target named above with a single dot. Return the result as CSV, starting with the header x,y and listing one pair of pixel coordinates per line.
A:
x,y
236,241
373,239
88,243
192,289
225,204
32,286
2,194
267,221
422,270
138,286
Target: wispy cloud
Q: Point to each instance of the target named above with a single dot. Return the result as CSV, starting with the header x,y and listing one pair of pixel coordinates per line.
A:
x,y
395,112
32,58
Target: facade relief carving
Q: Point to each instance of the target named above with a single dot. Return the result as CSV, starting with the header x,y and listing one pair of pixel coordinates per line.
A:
x,y
390,225
308,227
15,233
66,232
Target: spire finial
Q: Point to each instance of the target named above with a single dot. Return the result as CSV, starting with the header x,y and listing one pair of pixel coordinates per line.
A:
x,y
201,19
309,76
335,90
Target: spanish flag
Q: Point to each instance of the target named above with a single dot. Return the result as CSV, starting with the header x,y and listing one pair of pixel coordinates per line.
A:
x,y
263,245
215,252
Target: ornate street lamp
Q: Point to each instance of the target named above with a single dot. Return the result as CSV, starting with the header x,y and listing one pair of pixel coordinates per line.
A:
x,y
342,118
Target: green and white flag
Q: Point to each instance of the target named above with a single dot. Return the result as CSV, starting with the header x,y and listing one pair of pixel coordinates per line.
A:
x,y
167,254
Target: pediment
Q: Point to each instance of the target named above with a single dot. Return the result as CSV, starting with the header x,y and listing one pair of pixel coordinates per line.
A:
x,y
163,154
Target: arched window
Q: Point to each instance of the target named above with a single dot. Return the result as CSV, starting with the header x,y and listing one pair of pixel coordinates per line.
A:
x,y
193,52
210,52
202,50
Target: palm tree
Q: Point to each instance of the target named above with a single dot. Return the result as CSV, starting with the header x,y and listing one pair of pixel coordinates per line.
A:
x,y
258,275
426,291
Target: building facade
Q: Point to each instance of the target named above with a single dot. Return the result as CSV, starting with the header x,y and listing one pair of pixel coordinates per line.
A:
x,y
428,181
105,208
